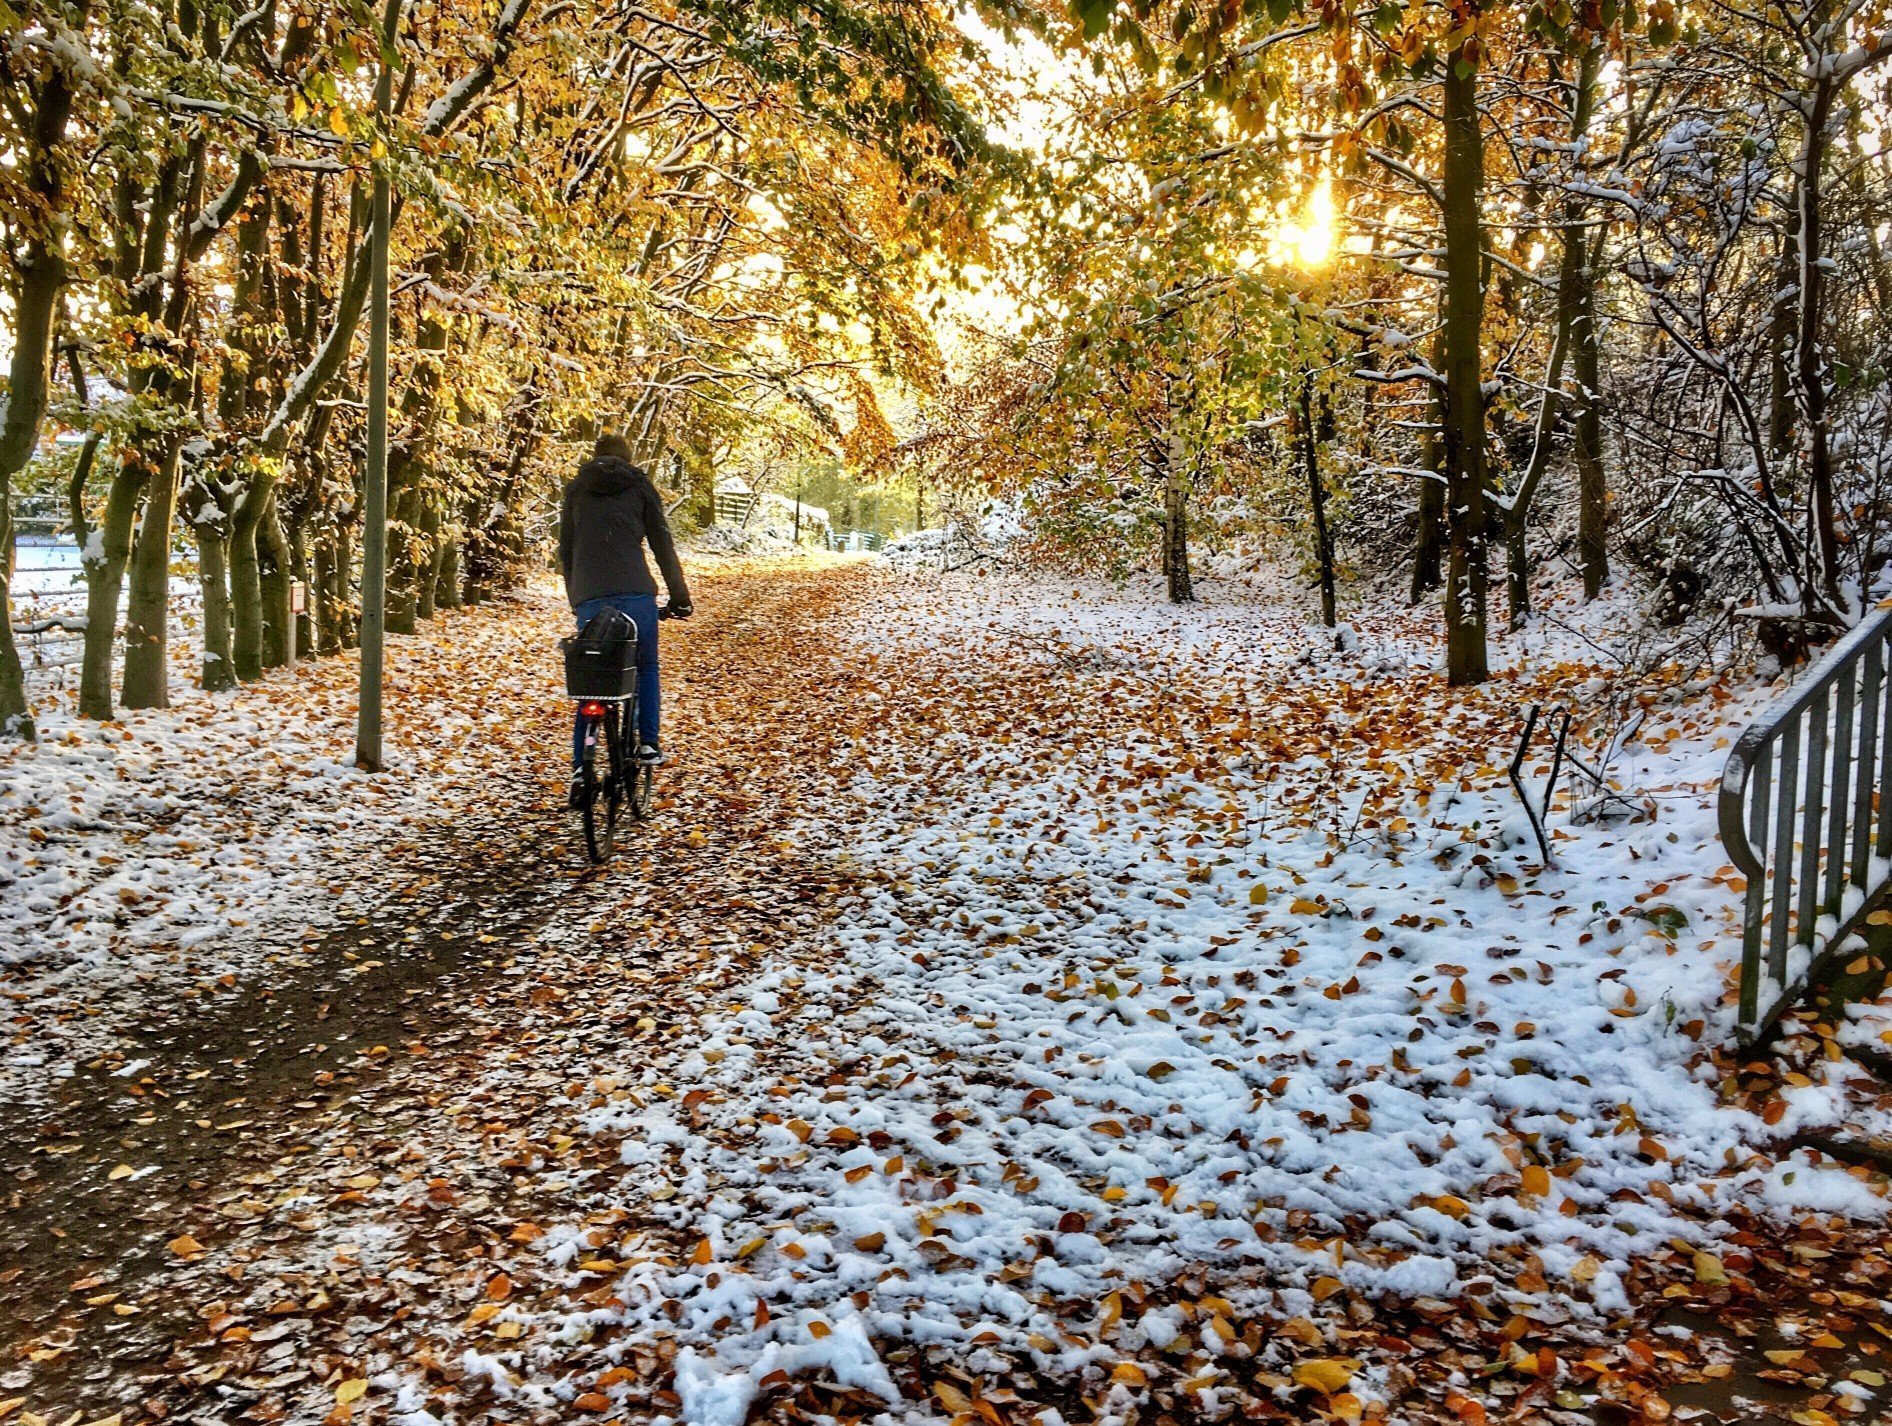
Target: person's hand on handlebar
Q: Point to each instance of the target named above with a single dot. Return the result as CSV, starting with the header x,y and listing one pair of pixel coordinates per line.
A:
x,y
674,610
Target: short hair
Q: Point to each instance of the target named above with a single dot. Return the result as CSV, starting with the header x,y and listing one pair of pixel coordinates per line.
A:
x,y
614,447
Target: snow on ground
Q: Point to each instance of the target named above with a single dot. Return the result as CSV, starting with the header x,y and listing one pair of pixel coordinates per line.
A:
x,y
164,849
1209,975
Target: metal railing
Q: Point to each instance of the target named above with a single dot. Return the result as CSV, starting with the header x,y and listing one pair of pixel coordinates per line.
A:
x,y
48,596
1803,821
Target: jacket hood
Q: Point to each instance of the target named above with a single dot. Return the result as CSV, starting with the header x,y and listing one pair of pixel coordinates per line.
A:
x,y
608,475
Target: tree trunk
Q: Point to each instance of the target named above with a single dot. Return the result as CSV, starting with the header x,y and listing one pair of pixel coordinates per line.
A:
x,y
1428,548
274,583
1464,432
1780,343
29,390
38,277
106,553
147,682
427,569
1821,597
213,576
1317,498
1592,472
300,573
348,613
16,718
402,546
1573,286
1165,459
246,583
322,598
447,587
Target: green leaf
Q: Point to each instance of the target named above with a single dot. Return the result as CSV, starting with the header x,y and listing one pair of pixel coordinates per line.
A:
x,y
1093,15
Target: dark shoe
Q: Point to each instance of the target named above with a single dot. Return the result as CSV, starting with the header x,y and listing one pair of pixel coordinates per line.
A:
x,y
575,795
648,755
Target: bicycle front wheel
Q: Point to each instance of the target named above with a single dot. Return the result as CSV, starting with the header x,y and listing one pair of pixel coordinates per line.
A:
x,y
642,778
599,795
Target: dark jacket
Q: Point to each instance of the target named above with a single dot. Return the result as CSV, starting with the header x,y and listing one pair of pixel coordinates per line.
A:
x,y
610,511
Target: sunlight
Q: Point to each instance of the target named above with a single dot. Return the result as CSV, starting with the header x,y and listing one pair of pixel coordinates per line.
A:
x,y
1310,242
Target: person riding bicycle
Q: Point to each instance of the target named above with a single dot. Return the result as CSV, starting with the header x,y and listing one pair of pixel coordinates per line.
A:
x,y
609,513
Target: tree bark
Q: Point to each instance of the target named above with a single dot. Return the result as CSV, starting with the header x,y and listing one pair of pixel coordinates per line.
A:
x,y
428,564
1592,470
273,580
213,576
1821,598
447,589
1428,548
103,559
147,682
39,278
29,391
1166,459
300,572
1467,488
246,585
1575,325
1317,499
348,615
328,634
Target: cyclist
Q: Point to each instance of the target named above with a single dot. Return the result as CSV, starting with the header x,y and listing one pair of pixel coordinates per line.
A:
x,y
609,513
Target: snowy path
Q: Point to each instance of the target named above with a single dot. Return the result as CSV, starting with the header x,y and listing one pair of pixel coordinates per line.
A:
x,y
1040,1005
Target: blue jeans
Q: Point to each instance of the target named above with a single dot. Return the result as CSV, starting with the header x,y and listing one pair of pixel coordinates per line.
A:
x,y
642,609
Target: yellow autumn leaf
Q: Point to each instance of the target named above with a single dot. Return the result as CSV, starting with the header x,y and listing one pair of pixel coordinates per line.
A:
x,y
952,1398
351,1390
1327,1375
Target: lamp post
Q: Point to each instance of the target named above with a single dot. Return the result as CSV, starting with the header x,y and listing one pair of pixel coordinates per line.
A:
x,y
374,534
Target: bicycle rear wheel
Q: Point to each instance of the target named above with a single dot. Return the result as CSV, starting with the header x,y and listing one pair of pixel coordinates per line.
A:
x,y
601,792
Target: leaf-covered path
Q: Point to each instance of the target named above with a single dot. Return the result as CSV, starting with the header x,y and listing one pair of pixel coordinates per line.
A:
x,y
1027,1002
215,1121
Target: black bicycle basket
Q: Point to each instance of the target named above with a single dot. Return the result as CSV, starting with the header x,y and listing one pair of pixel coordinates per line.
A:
x,y
601,661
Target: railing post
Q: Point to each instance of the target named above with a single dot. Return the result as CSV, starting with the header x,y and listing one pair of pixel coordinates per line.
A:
x,y
1812,820
1782,894
1838,802
1882,842
1761,776
1870,693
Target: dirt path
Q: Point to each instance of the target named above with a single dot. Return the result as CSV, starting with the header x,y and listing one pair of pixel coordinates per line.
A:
x,y
517,1147
162,1183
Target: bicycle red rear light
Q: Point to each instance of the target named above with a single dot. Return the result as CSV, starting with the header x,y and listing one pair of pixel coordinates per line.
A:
x,y
592,710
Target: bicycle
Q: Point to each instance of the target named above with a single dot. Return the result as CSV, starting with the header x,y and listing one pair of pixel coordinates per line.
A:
x,y
602,676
